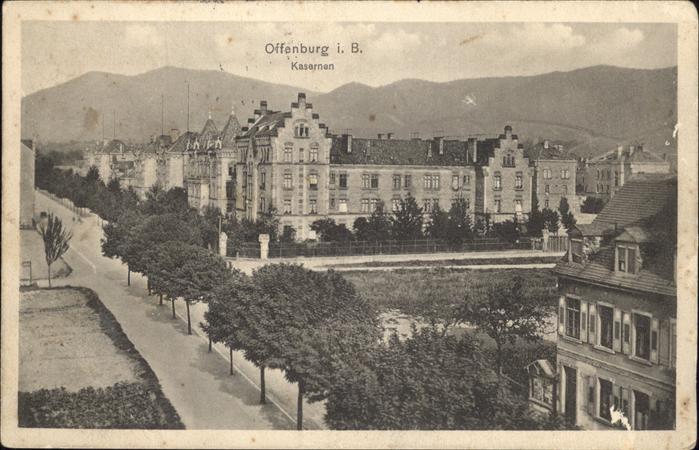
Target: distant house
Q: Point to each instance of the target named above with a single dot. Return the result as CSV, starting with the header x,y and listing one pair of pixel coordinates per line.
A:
x,y
604,175
554,175
616,349
26,193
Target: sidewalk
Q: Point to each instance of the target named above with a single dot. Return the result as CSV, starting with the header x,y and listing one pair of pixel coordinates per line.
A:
x,y
195,381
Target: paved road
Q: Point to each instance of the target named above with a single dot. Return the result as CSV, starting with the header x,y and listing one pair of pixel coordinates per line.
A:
x,y
196,381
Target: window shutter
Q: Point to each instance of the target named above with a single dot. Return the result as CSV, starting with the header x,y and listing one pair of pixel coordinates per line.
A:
x,y
617,330
561,315
654,335
592,324
626,333
664,343
583,321
591,395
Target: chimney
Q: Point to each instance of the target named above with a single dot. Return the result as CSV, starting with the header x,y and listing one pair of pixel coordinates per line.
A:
x,y
429,149
174,134
546,143
441,146
251,120
508,132
348,142
473,149
619,150
380,136
263,106
302,100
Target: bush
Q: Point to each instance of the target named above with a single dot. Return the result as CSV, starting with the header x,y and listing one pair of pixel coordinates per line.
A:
x,y
123,405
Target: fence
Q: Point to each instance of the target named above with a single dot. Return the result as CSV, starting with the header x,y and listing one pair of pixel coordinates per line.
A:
x,y
554,244
82,212
359,248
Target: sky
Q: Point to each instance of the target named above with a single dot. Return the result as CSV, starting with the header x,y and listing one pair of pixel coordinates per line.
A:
x,y
55,52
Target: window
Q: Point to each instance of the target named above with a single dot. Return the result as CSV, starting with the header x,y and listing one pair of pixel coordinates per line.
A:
x,y
301,130
300,155
407,181
343,181
573,317
497,182
366,180
288,183
262,204
626,259
263,181
565,188
427,205
288,152
547,189
508,161
616,178
518,181
313,154
332,177
606,326
374,181
332,202
313,182
365,205
435,204
300,206
395,204
498,205
641,410
605,399
431,182
287,206
565,174
312,206
642,330
396,181
455,182
547,174
374,204
546,203
342,205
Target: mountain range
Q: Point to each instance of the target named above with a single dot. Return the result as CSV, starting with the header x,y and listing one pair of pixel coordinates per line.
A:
x,y
592,109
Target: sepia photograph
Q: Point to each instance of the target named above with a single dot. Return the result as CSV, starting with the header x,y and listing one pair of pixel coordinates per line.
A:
x,y
225,223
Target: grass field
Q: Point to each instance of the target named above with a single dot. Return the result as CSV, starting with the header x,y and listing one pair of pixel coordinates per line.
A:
x,y
79,370
401,289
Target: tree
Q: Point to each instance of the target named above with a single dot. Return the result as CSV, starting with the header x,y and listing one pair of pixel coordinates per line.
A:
x,y
379,224
119,237
438,226
536,220
567,217
459,225
56,240
592,205
551,220
325,229
312,319
406,222
507,229
189,272
428,381
506,312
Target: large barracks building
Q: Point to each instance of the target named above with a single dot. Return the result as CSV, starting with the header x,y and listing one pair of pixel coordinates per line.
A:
x,y
289,162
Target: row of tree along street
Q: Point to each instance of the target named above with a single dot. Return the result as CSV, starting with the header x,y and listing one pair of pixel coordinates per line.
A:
x,y
315,327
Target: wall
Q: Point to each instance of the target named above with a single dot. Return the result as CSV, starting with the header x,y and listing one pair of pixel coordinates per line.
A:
x,y
26,196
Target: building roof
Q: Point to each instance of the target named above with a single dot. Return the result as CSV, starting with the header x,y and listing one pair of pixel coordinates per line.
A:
x,y
631,154
180,145
398,151
230,131
113,146
641,197
643,211
209,133
267,124
27,143
542,153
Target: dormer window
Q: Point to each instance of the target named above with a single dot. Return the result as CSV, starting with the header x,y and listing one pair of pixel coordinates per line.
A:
x,y
626,258
301,130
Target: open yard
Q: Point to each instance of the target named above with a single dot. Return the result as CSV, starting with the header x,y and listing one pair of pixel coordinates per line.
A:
x,y
402,295
78,369
404,289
